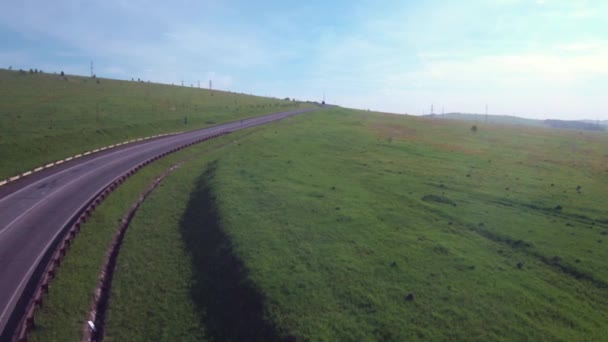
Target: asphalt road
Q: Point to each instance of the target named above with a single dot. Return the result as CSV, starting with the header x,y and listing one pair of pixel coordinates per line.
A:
x,y
35,211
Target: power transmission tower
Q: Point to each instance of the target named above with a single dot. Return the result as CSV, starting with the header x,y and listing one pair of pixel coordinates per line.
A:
x,y
210,85
432,111
199,84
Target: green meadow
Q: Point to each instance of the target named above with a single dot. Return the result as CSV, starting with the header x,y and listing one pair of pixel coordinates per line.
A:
x,y
48,117
333,225
351,225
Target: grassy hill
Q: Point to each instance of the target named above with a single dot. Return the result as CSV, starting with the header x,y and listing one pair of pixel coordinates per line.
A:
x,y
586,125
47,117
492,119
350,225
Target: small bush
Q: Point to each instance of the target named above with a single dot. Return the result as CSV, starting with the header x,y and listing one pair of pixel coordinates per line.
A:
x,y
474,128
438,199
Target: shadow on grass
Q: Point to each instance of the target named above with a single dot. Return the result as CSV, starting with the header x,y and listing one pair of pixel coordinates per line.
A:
x,y
231,307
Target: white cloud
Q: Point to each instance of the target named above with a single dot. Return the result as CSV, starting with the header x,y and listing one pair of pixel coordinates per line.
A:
x,y
400,57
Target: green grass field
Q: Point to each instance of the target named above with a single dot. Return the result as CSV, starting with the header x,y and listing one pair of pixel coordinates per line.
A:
x,y
348,225
47,117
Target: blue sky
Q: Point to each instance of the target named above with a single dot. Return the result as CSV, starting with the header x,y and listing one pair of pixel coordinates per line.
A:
x,y
532,58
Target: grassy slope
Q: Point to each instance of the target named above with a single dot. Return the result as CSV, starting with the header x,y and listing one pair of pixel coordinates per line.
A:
x,y
44,118
326,214
493,119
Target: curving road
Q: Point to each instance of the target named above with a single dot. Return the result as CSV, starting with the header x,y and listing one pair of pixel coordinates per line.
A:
x,y
36,210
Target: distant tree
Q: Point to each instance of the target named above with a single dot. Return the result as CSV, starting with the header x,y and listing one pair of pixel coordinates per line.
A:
x,y
62,74
97,81
10,67
31,71
35,71
94,76
474,128
287,99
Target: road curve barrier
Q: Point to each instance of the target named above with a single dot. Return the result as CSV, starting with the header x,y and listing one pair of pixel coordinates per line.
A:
x,y
59,162
92,329
27,321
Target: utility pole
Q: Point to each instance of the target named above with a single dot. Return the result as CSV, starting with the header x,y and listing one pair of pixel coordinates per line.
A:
x,y
199,84
432,111
442,112
92,69
210,85
486,113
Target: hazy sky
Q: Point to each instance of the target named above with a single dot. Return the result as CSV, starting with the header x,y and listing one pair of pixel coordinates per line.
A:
x,y
522,57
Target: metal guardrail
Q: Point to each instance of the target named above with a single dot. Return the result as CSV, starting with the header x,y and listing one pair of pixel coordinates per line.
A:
x,y
59,162
27,322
